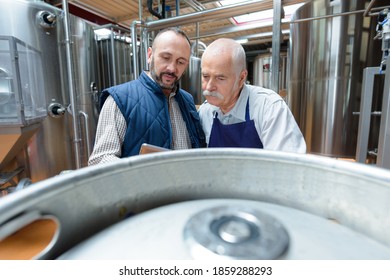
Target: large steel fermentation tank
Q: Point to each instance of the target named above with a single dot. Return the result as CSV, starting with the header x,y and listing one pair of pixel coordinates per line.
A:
x,y
327,58
113,56
191,80
262,71
51,149
221,203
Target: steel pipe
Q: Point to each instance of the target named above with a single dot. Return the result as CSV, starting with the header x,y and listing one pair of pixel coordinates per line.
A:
x,y
220,12
338,15
85,116
276,34
134,46
368,9
72,93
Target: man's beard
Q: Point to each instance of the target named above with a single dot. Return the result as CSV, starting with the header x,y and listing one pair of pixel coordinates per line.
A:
x,y
158,78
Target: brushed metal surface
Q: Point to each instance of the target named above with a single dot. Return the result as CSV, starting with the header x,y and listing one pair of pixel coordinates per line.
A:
x,y
51,149
327,58
91,199
158,234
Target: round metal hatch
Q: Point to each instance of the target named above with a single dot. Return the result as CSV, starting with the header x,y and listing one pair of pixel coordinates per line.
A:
x,y
235,232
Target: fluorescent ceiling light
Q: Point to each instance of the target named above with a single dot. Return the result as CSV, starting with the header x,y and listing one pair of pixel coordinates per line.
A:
x,y
263,17
242,41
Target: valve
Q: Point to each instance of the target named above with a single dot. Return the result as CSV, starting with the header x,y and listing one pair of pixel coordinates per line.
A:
x,y
46,19
56,110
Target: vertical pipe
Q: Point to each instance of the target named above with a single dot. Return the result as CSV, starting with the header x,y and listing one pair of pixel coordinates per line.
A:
x,y
276,31
365,113
87,134
177,7
113,61
140,10
384,132
197,40
134,46
144,49
69,67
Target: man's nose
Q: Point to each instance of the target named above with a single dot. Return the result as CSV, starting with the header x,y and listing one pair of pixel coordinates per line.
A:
x,y
172,66
210,85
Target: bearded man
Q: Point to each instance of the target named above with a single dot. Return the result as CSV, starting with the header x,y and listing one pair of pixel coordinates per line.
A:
x,y
152,109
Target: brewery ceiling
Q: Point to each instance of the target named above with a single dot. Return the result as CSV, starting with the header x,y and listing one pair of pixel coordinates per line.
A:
x,y
257,32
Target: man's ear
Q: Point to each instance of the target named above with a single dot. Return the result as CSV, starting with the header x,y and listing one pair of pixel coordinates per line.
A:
x,y
243,75
150,52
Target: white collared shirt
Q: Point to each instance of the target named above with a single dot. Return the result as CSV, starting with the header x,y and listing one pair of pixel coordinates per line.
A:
x,y
273,120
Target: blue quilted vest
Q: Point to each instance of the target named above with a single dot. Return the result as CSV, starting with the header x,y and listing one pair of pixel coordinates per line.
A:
x,y
145,108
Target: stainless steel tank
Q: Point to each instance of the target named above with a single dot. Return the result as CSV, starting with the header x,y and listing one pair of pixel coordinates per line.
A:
x,y
262,73
327,58
191,80
211,203
52,147
114,53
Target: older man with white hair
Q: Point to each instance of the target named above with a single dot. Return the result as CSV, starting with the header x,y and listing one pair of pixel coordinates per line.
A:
x,y
239,115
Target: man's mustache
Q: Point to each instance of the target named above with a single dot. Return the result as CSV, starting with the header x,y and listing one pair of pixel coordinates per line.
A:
x,y
169,74
213,94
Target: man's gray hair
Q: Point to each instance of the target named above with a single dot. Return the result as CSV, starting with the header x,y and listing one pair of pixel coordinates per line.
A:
x,y
239,57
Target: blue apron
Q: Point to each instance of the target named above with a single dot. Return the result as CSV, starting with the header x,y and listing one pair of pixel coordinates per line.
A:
x,y
242,134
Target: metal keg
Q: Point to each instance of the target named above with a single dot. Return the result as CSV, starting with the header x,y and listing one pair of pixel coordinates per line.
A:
x,y
221,203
